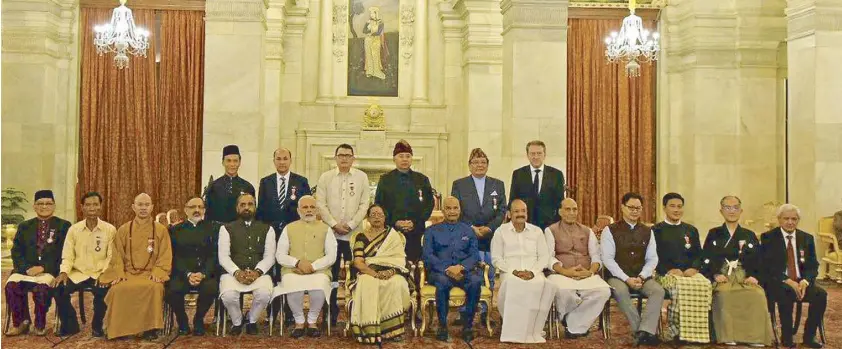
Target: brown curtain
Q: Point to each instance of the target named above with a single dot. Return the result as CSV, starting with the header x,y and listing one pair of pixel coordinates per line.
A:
x,y
611,124
140,127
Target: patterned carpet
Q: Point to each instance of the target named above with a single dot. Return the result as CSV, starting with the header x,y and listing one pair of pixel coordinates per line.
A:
x,y
619,333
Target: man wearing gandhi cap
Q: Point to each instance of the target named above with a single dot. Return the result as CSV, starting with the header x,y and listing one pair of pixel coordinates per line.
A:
x,y
222,195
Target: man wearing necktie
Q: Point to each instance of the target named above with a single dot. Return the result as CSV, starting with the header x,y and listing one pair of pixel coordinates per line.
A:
x,y
540,186
222,195
791,267
279,192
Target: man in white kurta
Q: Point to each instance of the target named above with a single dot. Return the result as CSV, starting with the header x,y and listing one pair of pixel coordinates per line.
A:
x,y
519,250
247,253
306,250
575,261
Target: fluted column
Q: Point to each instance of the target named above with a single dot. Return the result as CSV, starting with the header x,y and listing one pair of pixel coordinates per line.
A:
x,y
325,49
419,91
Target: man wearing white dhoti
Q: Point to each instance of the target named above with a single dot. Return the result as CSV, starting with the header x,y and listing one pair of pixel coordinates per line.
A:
x,y
306,250
575,261
519,250
246,252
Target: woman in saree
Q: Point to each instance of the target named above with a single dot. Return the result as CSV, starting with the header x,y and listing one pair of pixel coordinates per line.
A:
x,y
379,287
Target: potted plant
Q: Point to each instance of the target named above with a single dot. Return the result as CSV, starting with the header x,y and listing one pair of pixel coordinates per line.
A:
x,y
13,214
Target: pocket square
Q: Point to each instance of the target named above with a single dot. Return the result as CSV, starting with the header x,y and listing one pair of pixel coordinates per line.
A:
x,y
465,238
494,193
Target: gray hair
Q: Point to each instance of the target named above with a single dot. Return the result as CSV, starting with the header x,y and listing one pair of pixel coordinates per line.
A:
x,y
787,208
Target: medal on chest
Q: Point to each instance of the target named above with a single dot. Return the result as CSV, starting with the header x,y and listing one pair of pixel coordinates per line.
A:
x,y
494,201
420,195
352,189
687,242
741,243
802,255
52,234
150,245
292,193
98,243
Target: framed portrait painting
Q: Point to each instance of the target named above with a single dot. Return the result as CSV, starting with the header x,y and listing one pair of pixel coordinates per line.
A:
x,y
373,46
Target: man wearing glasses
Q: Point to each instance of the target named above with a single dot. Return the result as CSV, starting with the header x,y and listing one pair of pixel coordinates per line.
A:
x,y
630,256
343,198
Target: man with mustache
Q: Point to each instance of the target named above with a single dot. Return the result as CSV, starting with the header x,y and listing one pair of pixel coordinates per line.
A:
x,y
194,265
306,250
520,251
246,252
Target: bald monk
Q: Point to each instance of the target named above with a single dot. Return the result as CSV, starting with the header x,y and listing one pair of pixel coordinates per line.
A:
x,y
140,265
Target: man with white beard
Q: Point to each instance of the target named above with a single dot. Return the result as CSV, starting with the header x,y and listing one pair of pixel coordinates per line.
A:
x,y
306,250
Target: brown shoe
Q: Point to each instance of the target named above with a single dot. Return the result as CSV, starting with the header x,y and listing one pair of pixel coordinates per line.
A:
x,y
17,331
40,331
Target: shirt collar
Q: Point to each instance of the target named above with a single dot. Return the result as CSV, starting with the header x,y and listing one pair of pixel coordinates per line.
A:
x,y
285,177
785,234
632,225
532,169
85,225
669,223
481,179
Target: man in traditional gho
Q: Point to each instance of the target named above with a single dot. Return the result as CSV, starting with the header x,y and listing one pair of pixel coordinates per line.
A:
x,y
246,253
408,199
36,255
575,261
679,260
306,250
451,256
87,252
630,255
519,250
140,265
224,191
732,261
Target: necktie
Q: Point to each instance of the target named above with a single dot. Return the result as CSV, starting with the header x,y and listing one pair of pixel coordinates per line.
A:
x,y
535,182
790,259
282,193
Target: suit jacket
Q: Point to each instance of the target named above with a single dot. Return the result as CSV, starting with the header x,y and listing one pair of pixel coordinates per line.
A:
x,y
448,244
268,209
25,250
486,215
543,207
773,247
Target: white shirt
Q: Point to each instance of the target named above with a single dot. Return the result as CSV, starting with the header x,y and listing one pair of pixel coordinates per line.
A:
x,y
284,259
278,177
225,261
343,198
794,248
593,249
526,250
540,175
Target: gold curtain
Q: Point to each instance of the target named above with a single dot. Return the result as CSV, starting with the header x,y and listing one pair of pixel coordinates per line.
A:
x,y
611,124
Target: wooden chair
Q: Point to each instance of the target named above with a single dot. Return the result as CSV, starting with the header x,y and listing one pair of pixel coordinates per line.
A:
x,y
457,297
832,258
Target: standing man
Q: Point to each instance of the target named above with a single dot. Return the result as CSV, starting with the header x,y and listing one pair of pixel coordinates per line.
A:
x,y
575,261
222,195
483,203
194,248
140,265
87,252
36,255
408,199
520,251
790,265
679,259
540,186
630,254
246,252
279,193
343,200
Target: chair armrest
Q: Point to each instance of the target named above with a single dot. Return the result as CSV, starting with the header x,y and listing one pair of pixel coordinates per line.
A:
x,y
422,279
485,274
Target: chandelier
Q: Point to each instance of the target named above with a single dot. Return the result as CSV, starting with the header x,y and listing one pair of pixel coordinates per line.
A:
x,y
121,36
633,44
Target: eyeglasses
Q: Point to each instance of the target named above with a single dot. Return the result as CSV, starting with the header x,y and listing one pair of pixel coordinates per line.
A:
x,y
344,156
479,162
634,208
731,208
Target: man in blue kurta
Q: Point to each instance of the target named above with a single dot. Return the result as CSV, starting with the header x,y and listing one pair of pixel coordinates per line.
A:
x,y
452,254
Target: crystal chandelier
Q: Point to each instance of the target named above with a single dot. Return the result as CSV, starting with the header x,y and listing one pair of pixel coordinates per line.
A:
x,y
633,44
121,36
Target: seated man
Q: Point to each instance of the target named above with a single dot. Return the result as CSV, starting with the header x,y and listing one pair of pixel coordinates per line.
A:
x,y
36,255
140,265
790,265
194,265
246,248
378,286
519,250
86,253
731,256
628,248
679,259
451,254
575,262
306,250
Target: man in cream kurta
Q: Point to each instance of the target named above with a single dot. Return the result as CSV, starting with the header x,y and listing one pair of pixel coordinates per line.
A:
x,y
519,250
140,265
575,262
306,250
246,252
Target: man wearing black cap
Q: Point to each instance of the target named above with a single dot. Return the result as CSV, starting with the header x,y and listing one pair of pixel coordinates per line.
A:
x,y
36,256
408,199
222,195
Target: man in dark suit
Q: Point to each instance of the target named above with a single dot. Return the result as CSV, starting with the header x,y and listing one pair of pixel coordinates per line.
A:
x,y
540,186
222,194
790,268
277,202
483,201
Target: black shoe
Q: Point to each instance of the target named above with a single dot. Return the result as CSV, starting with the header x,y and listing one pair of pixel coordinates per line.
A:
x,y
313,332
199,329
150,335
812,344
236,330
638,338
787,343
458,322
251,329
97,332
297,333
67,333
651,339
467,335
442,335
183,331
